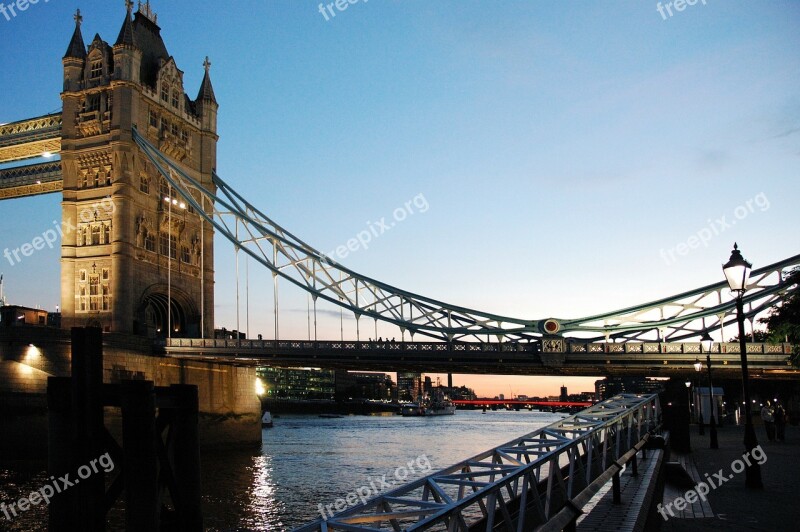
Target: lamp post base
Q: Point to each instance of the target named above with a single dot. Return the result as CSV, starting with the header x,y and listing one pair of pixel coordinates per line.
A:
x,y
753,471
713,431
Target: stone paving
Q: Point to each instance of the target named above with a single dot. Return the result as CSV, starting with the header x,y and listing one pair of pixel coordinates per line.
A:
x,y
776,507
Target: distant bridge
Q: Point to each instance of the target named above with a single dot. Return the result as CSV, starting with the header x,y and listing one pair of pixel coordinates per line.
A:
x,y
521,402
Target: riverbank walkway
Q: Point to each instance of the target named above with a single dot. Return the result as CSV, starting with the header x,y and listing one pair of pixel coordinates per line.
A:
x,y
731,506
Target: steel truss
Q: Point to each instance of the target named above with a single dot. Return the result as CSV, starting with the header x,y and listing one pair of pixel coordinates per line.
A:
x,y
521,484
286,256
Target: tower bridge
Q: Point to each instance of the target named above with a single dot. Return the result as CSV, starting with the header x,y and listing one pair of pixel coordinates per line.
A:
x,y
129,136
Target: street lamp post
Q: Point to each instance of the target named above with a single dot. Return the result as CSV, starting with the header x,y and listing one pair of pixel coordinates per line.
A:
x,y
698,367
737,272
706,342
689,419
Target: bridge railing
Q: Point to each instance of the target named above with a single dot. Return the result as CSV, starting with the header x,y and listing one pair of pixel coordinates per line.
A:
x,y
645,348
520,484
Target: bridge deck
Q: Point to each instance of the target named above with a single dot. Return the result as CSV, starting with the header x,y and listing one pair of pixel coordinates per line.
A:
x,y
655,359
31,180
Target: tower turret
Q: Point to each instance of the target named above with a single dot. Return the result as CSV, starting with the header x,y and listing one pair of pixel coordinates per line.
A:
x,y
206,102
127,55
75,58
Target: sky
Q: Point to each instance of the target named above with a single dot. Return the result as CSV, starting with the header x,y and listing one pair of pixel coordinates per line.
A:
x,y
558,156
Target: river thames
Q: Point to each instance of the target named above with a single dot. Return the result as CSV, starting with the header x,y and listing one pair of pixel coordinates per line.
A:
x,y
308,463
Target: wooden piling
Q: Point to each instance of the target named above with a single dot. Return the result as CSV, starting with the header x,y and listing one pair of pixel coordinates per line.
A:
x,y
87,402
140,458
187,457
59,451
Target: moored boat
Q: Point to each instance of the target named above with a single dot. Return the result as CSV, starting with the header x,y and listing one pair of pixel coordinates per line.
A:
x,y
440,405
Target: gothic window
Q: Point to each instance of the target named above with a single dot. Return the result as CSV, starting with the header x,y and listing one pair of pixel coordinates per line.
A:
x,y
163,244
164,92
153,118
82,276
95,235
96,69
92,102
144,184
185,256
82,298
184,135
175,129
150,242
106,274
106,297
174,98
106,238
164,124
94,292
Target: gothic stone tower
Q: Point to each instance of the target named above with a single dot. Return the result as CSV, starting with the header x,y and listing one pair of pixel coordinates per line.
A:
x,y
123,240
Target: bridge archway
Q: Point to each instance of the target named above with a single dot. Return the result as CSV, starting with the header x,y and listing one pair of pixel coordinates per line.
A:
x,y
157,311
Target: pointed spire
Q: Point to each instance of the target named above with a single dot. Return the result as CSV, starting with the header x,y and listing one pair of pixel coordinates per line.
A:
x,y
126,33
206,90
77,48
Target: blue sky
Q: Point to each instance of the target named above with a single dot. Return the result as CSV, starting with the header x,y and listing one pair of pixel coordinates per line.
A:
x,y
564,149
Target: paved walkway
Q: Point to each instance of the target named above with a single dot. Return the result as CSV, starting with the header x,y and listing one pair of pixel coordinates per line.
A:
x,y
732,506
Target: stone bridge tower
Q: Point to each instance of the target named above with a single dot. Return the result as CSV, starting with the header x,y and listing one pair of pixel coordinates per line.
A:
x,y
129,240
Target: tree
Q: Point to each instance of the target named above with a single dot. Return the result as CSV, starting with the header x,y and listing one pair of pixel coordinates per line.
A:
x,y
783,322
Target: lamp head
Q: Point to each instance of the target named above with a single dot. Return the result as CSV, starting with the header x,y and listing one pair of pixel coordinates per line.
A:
x,y
737,271
697,364
707,342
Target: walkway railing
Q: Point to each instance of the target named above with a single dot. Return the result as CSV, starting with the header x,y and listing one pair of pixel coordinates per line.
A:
x,y
521,484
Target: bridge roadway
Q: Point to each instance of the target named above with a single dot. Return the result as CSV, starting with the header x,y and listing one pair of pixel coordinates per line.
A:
x,y
560,357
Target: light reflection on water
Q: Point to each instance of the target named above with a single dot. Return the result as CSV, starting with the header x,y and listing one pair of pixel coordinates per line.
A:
x,y
307,461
